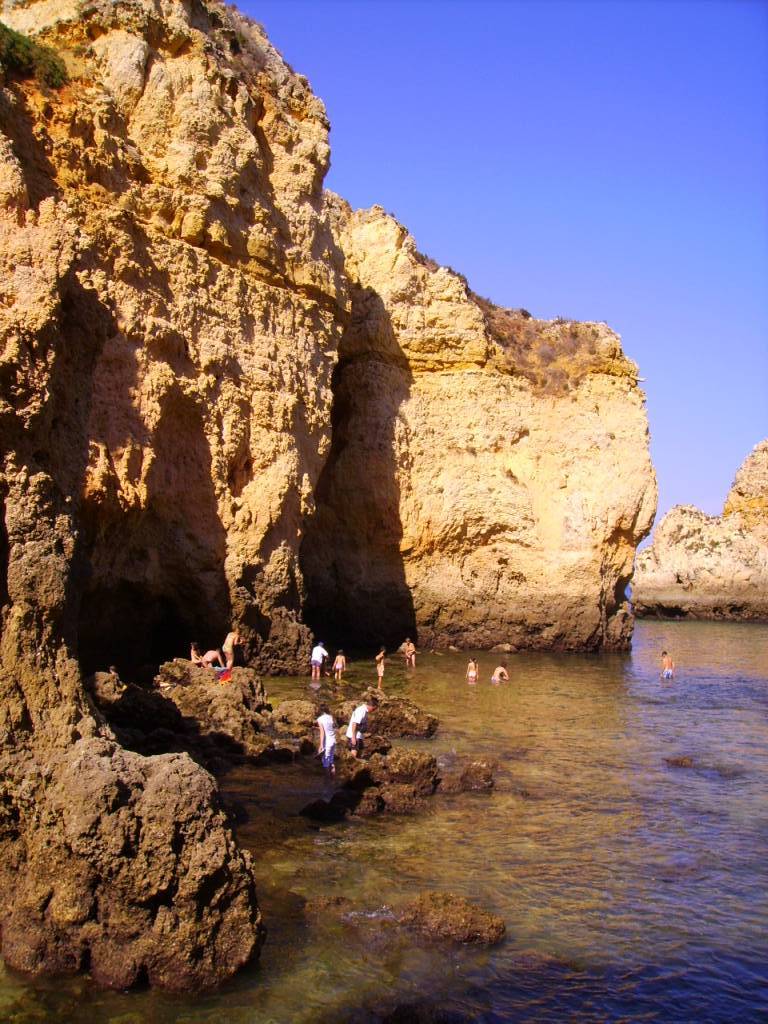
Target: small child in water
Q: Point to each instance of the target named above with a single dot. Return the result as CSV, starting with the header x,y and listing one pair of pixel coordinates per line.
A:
x,y
500,674
380,664
409,650
327,747
472,672
667,666
339,665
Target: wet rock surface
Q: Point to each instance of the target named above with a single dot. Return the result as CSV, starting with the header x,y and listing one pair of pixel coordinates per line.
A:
x,y
452,918
467,777
680,761
395,717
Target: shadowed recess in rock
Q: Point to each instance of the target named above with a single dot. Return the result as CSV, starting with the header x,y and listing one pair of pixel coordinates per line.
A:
x,y
156,577
351,554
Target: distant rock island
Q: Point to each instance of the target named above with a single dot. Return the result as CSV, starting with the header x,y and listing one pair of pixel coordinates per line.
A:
x,y
711,567
228,400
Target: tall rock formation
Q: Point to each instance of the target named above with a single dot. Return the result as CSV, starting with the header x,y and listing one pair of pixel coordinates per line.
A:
x,y
489,476
711,567
225,398
172,303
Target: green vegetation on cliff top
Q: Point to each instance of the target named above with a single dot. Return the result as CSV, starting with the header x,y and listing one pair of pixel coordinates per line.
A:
x,y
22,55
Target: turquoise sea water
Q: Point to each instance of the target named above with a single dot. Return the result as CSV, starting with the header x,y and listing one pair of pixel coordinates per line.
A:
x,y
632,890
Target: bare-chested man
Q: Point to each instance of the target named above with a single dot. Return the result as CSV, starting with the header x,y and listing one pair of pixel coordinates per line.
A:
x,y
667,666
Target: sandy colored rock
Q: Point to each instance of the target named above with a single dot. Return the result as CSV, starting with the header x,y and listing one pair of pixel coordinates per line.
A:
x,y
188,378
448,917
177,291
489,477
711,567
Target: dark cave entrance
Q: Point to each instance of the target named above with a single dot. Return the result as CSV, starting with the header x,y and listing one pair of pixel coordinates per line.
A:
x,y
357,594
135,628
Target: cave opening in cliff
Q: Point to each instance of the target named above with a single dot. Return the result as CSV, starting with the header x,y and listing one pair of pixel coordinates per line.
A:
x,y
135,628
357,594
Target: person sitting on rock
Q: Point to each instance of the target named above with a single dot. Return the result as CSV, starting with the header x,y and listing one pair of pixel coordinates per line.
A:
x,y
327,747
357,724
472,672
207,660
231,641
500,674
409,650
339,665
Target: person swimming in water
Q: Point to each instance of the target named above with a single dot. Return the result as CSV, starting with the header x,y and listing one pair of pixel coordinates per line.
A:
x,y
500,674
472,672
667,666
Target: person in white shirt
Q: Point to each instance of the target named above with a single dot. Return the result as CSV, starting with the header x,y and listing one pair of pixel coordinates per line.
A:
x,y
357,724
327,748
318,653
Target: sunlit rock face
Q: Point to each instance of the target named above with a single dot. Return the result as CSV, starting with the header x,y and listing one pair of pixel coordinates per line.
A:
x,y
172,305
711,567
489,477
225,399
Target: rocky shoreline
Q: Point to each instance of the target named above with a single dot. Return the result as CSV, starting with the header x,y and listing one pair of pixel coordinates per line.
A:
x,y
711,567
221,396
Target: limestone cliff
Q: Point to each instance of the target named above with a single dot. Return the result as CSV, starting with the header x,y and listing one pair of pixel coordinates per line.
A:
x,y
489,477
171,309
225,398
711,567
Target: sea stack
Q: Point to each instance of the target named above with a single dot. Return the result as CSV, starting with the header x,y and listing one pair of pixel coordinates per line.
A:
x,y
711,567
228,400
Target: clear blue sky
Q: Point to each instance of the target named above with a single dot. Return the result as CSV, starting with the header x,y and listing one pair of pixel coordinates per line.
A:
x,y
598,161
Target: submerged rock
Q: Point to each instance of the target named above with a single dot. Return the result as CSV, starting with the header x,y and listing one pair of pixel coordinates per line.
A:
x,y
445,916
711,567
684,761
472,776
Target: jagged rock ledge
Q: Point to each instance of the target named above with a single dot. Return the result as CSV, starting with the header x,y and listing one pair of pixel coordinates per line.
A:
x,y
711,567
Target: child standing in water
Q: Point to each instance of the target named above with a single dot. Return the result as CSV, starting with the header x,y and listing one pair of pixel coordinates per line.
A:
x,y
327,747
339,665
500,674
409,650
380,664
472,672
667,666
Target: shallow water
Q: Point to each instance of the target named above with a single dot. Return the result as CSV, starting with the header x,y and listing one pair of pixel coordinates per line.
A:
x,y
632,891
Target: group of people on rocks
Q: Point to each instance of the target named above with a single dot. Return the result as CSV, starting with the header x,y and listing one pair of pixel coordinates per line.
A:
x,y
220,660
